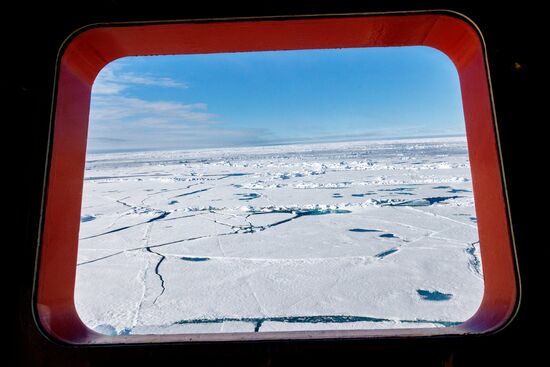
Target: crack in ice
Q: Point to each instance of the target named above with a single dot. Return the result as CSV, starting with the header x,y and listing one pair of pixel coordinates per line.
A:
x,y
474,263
163,214
190,193
157,272
237,229
324,319
144,248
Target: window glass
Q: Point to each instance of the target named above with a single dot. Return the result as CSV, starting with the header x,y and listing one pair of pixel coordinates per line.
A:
x,y
277,191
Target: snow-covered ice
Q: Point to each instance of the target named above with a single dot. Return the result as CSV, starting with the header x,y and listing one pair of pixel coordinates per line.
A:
x,y
354,235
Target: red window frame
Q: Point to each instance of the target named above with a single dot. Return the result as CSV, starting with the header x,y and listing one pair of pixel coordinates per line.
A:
x,y
90,50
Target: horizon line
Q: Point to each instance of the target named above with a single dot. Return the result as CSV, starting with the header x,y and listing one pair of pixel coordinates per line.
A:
x,y
269,144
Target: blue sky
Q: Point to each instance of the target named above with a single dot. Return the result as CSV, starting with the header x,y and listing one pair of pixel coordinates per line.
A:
x,y
280,97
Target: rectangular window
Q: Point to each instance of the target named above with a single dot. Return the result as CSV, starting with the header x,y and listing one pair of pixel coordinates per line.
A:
x,y
265,185
310,190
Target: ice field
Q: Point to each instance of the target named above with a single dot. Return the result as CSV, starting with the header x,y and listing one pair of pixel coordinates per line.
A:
x,y
353,235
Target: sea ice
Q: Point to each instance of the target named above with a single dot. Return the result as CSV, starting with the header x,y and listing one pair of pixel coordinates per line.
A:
x,y
353,235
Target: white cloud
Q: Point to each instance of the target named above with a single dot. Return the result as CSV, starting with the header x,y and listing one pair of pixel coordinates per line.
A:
x,y
103,87
110,106
111,81
131,78
121,121
136,111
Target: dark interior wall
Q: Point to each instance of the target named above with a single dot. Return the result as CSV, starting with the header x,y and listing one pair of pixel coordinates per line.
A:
x,y
33,37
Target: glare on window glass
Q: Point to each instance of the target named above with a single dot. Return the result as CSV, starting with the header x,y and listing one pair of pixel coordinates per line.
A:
x,y
277,191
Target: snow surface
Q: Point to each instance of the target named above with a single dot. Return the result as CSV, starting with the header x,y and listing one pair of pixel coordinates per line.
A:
x,y
356,235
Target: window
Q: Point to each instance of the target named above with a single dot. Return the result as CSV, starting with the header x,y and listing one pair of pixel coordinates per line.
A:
x,y
59,253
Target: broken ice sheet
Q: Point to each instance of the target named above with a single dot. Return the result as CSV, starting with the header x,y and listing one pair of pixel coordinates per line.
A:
x,y
295,237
